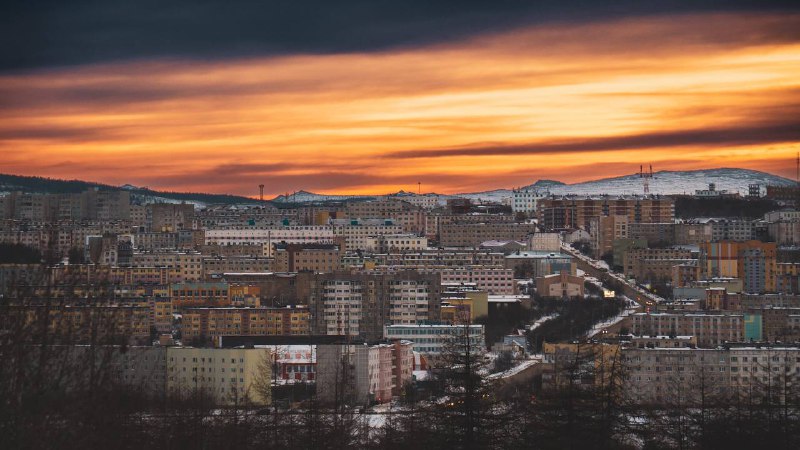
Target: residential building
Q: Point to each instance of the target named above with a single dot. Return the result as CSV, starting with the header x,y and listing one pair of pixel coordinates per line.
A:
x,y
473,234
434,340
572,212
709,329
227,376
206,324
323,258
360,304
363,374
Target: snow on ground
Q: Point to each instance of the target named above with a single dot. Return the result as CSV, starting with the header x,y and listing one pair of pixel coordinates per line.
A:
x,y
598,327
540,321
516,369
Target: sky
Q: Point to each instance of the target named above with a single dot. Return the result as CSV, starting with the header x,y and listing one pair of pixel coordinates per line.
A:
x,y
370,97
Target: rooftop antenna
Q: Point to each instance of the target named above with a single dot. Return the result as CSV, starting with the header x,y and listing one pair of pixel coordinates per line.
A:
x,y
797,176
261,192
419,184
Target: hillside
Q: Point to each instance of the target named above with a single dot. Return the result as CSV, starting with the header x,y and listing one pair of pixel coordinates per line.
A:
x,y
663,183
675,182
10,183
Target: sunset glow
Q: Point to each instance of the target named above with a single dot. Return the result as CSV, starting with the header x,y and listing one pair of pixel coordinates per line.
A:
x,y
569,102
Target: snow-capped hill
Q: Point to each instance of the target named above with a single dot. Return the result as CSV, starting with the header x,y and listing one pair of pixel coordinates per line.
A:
x,y
495,196
675,182
310,197
664,182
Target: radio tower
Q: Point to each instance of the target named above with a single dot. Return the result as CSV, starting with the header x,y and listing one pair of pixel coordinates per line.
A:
x,y
646,176
261,192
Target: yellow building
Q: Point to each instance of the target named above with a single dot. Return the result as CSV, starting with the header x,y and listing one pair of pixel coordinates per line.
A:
x,y
226,376
468,304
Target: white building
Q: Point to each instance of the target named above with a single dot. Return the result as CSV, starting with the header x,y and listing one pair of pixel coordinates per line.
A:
x,y
435,339
266,236
525,200
356,232
425,201
495,281
775,216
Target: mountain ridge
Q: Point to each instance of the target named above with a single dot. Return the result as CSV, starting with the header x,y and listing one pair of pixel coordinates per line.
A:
x,y
664,182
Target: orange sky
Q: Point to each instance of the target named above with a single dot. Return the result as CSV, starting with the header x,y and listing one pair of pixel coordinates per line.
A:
x,y
570,102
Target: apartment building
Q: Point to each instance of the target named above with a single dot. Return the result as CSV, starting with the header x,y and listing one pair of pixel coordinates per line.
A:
x,y
324,258
218,265
267,236
226,376
525,200
542,263
363,374
545,242
437,339
170,217
709,329
188,264
692,233
656,234
360,304
101,324
605,230
652,264
206,324
752,261
495,281
434,221
691,376
392,243
92,204
357,232
572,212
191,294
473,234
785,232
424,201
441,258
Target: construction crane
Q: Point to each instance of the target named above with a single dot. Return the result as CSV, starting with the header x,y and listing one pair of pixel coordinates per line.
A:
x,y
646,176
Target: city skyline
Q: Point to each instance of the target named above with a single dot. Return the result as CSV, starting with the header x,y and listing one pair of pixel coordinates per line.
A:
x,y
481,108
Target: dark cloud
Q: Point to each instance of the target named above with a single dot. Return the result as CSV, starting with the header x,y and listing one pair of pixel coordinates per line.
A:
x,y
716,137
61,134
53,33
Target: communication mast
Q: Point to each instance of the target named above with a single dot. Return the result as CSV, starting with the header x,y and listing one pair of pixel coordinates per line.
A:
x,y
646,176
261,192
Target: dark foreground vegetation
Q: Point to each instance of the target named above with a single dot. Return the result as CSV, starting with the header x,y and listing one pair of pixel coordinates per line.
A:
x,y
38,412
